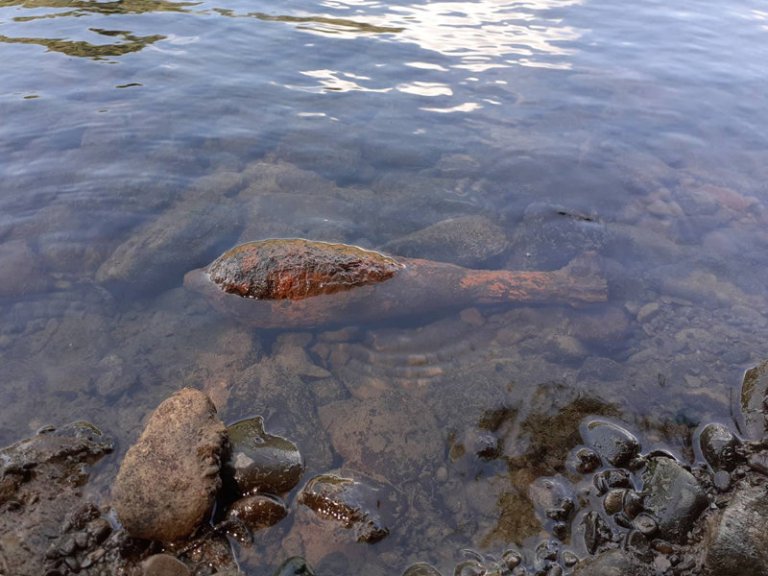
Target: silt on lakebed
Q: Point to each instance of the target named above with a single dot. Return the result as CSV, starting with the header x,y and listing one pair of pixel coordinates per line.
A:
x,y
298,283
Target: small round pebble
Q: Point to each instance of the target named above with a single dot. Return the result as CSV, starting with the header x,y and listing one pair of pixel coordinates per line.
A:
x,y
164,565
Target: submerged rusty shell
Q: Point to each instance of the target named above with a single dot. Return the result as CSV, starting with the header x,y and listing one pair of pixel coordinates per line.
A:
x,y
293,269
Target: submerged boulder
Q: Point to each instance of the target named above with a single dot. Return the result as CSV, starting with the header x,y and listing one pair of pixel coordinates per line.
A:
x,y
168,480
293,282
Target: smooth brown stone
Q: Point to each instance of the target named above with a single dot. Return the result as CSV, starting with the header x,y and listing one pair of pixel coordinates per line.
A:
x,y
168,480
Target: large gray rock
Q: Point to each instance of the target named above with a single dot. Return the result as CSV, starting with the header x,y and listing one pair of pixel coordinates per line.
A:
x,y
467,241
168,480
739,543
673,496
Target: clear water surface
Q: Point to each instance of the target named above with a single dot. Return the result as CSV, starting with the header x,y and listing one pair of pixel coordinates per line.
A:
x,y
139,139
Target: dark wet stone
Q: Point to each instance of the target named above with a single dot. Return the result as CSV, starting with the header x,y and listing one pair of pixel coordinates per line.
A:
x,y
614,444
44,518
596,531
754,389
613,501
258,511
645,524
583,460
421,569
262,462
164,565
294,566
612,478
739,544
613,563
168,480
349,503
511,559
673,496
720,447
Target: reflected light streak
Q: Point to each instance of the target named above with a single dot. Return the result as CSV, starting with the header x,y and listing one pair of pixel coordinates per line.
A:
x,y
480,34
334,81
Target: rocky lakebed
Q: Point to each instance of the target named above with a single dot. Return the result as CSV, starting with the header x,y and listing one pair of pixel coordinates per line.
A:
x,y
192,492
480,440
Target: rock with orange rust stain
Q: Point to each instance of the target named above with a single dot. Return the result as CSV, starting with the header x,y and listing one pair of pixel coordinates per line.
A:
x,y
297,283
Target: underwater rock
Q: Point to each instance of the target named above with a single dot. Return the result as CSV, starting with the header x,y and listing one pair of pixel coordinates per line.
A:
x,y
465,240
673,496
292,283
614,444
720,447
739,544
294,566
182,237
41,496
27,276
347,502
394,437
261,462
550,236
164,565
257,512
168,480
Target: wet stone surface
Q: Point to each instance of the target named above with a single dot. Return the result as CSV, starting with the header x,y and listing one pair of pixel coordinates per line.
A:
x,y
349,501
626,507
261,462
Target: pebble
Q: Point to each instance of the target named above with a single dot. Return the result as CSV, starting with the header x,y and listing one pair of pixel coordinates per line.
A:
x,y
614,444
720,447
295,566
164,565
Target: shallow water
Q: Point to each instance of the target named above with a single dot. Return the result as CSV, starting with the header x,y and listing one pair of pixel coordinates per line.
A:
x,y
140,139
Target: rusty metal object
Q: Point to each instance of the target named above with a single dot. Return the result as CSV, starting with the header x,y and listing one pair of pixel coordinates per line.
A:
x,y
297,283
